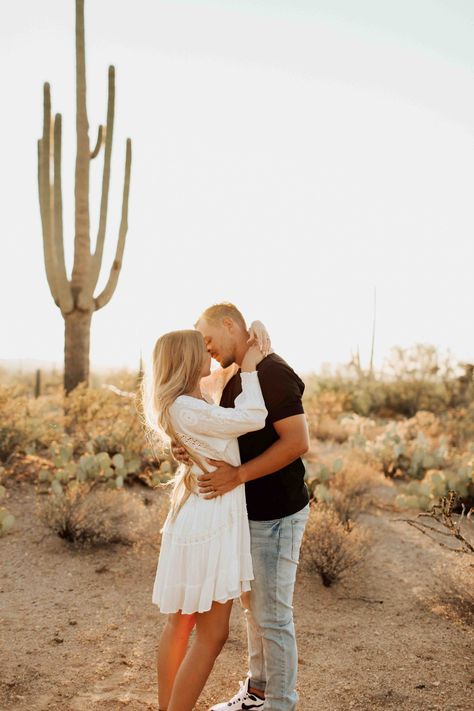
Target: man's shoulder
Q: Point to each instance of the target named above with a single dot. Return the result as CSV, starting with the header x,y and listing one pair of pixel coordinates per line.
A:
x,y
274,363
275,367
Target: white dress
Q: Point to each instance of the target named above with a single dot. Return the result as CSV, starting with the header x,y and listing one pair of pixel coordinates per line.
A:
x,y
205,551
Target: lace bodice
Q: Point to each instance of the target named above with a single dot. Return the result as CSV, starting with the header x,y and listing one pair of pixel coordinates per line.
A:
x,y
211,430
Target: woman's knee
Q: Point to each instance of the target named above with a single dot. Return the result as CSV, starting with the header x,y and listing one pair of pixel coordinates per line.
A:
x,y
213,637
180,624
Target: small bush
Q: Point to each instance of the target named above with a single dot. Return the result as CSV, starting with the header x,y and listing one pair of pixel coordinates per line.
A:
x,y
350,490
327,429
332,548
83,515
456,595
345,484
7,520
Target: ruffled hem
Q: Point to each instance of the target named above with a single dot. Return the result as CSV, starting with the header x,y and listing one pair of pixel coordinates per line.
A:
x,y
189,608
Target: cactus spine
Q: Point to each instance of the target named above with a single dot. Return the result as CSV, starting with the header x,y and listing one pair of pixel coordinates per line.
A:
x,y
75,296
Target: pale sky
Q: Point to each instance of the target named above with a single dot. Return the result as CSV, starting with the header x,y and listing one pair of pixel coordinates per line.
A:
x,y
288,156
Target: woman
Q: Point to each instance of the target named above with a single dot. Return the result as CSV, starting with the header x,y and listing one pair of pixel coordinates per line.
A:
x,y
204,561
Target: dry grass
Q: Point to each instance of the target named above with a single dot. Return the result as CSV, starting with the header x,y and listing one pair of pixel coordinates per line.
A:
x,y
85,516
327,429
330,547
456,596
351,488
452,593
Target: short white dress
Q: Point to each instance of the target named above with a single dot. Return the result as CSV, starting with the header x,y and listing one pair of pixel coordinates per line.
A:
x,y
205,551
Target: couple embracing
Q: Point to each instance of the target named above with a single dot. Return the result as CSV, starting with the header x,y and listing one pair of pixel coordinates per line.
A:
x,y
238,510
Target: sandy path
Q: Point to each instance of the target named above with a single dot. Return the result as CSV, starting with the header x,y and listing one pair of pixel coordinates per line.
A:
x,y
78,630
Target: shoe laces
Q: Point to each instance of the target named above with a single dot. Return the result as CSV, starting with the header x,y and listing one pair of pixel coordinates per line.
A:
x,y
240,695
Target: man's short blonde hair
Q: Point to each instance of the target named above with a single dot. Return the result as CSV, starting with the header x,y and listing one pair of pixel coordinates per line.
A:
x,y
217,312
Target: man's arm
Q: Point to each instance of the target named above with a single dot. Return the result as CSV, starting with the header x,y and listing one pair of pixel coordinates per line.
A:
x,y
292,442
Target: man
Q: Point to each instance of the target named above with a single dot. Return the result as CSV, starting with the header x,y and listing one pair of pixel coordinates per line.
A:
x,y
277,505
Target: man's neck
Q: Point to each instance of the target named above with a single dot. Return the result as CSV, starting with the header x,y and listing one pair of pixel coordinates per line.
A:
x,y
240,351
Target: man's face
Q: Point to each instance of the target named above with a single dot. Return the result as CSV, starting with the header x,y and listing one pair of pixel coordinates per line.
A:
x,y
220,341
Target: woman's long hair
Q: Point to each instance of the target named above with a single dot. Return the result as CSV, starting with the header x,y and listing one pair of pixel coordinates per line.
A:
x,y
177,365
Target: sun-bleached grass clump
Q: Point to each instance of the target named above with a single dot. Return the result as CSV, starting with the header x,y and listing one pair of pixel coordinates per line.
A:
x,y
327,429
456,594
332,548
87,516
351,487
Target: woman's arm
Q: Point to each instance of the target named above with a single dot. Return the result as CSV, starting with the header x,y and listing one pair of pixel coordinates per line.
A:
x,y
196,417
193,416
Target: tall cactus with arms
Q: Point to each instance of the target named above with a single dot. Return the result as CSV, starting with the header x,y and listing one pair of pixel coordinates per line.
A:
x,y
75,296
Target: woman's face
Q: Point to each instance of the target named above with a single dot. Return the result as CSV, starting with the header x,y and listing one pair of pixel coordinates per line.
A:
x,y
206,361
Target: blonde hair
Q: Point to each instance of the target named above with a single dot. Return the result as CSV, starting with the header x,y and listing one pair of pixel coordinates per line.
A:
x,y
217,312
177,366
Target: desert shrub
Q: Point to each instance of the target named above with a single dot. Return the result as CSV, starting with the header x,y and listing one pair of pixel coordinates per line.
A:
x,y
350,490
88,516
413,379
327,429
444,525
27,425
110,422
405,450
13,432
331,548
458,424
345,484
7,520
455,594
90,435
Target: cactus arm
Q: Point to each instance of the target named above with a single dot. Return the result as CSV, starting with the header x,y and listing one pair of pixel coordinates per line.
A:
x,y
80,271
106,294
99,248
44,189
64,292
96,150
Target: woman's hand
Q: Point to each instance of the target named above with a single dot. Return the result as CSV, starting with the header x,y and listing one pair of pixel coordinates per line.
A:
x,y
251,359
259,337
180,454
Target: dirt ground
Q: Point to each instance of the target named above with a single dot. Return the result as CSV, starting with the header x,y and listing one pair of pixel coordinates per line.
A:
x,y
79,632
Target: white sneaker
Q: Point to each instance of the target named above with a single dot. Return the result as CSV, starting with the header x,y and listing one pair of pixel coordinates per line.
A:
x,y
243,700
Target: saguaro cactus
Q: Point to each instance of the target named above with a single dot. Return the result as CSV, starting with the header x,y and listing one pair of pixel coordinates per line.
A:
x,y
75,296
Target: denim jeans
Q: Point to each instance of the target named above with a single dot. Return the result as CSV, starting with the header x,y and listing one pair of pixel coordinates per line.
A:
x,y
273,657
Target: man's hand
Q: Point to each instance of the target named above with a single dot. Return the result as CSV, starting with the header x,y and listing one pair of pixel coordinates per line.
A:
x,y
223,479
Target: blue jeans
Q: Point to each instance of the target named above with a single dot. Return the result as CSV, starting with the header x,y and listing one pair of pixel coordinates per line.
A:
x,y
273,657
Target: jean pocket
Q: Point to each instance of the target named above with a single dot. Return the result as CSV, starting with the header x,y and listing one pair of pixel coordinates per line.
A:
x,y
297,531
264,525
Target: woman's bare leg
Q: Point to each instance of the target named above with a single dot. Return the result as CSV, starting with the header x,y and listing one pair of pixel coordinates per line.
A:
x,y
212,630
171,651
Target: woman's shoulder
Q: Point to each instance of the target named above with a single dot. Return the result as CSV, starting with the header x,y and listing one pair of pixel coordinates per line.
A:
x,y
187,407
189,401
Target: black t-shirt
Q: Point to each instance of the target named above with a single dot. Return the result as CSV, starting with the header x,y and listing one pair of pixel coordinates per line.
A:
x,y
284,492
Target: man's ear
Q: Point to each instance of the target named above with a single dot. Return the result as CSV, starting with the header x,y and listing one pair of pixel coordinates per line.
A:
x,y
228,323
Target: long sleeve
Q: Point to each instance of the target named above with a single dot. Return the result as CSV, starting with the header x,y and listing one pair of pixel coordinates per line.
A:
x,y
198,417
